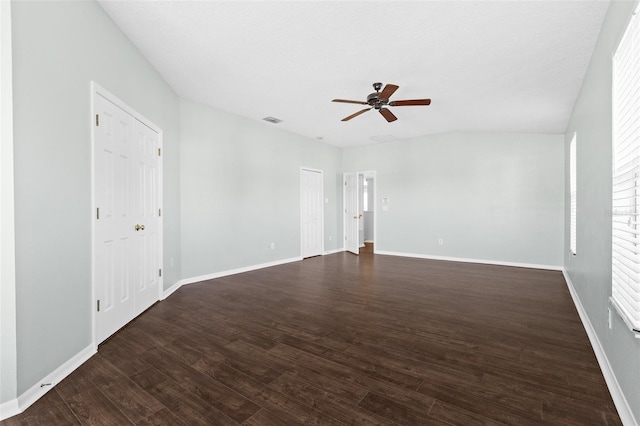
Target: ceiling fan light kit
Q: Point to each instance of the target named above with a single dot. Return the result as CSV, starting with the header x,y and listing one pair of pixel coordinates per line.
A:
x,y
380,100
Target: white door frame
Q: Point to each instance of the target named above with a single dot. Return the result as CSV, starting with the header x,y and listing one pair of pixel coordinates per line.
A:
x,y
370,173
347,218
97,90
308,169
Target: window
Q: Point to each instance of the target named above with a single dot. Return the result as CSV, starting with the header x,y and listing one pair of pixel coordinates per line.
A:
x,y
572,189
625,244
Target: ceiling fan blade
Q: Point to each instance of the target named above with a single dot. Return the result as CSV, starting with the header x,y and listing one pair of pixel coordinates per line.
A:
x,y
386,113
388,90
347,101
411,102
356,114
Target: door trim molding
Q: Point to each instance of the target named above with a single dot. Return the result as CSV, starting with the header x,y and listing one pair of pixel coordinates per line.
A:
x,y
97,90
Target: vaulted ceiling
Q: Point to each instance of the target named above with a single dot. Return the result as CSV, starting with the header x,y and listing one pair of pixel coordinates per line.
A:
x,y
488,66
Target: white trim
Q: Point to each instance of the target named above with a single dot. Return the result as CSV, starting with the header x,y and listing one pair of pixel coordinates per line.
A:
x,y
9,409
624,318
226,273
624,410
8,330
168,292
460,259
338,250
96,88
47,383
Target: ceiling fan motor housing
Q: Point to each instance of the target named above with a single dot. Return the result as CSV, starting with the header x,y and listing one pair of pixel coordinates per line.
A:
x,y
375,101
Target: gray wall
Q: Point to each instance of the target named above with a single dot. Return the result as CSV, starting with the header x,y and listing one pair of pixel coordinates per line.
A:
x,y
492,197
240,190
58,48
590,269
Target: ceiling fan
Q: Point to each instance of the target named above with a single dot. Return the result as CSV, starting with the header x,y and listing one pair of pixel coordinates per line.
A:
x,y
380,100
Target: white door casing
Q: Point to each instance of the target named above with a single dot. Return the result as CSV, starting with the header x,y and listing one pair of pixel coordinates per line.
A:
x,y
352,213
311,212
127,224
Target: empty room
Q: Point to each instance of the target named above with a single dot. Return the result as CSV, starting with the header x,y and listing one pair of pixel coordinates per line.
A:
x,y
319,212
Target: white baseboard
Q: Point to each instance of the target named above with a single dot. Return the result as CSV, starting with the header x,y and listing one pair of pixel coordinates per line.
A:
x,y
460,259
620,401
232,272
170,290
24,401
338,250
9,409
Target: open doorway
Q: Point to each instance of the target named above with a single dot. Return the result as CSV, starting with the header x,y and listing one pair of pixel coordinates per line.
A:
x,y
368,213
359,201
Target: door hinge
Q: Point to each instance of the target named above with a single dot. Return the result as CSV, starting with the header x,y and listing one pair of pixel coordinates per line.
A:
x,y
345,238
345,183
97,120
98,213
98,305
159,152
159,272
159,212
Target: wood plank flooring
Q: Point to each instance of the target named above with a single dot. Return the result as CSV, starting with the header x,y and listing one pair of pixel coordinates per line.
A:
x,y
342,339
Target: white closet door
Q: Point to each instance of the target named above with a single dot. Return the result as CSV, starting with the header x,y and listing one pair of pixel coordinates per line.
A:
x,y
311,212
127,223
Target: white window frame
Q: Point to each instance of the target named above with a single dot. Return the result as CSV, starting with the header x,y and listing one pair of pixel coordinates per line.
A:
x,y
573,187
625,241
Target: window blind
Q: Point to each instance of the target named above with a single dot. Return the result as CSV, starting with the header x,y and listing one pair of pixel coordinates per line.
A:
x,y
573,191
625,259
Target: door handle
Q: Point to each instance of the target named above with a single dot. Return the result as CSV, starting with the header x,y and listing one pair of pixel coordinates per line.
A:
x,y
139,228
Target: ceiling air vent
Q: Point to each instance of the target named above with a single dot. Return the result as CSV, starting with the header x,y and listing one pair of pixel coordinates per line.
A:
x,y
272,120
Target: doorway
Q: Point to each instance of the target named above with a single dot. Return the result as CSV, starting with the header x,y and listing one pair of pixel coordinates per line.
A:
x,y
368,213
126,213
359,212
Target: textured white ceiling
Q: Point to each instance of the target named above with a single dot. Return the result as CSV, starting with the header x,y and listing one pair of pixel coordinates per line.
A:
x,y
488,66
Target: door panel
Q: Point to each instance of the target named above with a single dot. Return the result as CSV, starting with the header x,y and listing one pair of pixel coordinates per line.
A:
x,y
147,214
311,197
352,211
112,233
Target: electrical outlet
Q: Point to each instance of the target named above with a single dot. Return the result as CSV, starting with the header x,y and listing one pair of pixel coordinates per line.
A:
x,y
272,246
330,237
440,242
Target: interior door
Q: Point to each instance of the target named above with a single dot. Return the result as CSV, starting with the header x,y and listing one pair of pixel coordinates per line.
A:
x,y
114,219
351,213
127,243
147,214
311,212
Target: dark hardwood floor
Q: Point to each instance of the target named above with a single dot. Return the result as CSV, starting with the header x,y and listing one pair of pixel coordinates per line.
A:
x,y
342,339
